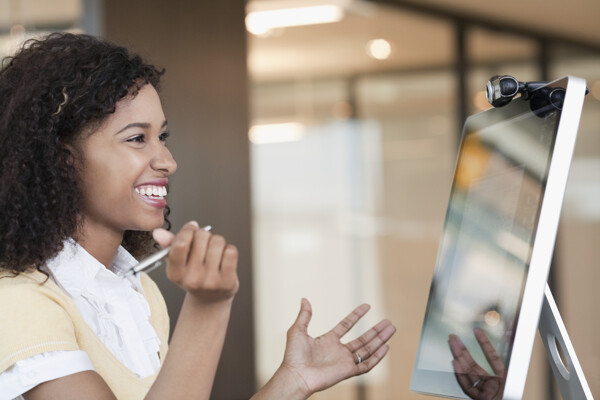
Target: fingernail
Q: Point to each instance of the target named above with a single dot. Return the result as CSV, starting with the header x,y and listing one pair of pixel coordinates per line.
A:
x,y
197,225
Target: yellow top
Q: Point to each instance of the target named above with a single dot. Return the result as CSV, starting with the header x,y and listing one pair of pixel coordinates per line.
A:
x,y
38,317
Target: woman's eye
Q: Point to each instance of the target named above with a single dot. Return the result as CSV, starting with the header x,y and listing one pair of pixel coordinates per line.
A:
x,y
163,136
137,139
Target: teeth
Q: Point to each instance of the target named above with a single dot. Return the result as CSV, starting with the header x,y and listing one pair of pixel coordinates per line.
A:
x,y
155,191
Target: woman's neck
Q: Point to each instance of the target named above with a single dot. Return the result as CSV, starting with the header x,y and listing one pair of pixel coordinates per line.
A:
x,y
102,244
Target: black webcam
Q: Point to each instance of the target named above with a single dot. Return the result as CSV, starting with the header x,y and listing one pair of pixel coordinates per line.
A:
x,y
543,100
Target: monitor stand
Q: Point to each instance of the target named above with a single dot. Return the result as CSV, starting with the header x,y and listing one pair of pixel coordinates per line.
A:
x,y
570,378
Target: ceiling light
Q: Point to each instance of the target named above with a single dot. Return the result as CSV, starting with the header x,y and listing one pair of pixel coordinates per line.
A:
x,y
276,133
261,22
379,49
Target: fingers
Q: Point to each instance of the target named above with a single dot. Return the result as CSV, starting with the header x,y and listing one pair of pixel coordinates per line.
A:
x,y
366,365
203,243
347,323
203,264
464,367
303,319
370,343
163,237
370,348
490,353
180,250
463,363
456,346
229,264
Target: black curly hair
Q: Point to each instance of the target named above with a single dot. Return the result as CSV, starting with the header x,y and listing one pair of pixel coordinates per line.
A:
x,y
53,91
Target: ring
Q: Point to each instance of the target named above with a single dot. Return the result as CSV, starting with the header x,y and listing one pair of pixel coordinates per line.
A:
x,y
358,358
476,383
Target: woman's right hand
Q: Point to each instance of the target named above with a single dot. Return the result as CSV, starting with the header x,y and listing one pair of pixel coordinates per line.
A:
x,y
205,266
201,263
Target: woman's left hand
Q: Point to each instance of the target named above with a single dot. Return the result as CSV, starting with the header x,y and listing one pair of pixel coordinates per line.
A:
x,y
318,363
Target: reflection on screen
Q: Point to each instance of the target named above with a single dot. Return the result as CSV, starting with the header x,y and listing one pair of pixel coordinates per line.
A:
x,y
486,246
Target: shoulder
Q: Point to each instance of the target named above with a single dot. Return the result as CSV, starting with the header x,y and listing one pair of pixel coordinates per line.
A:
x,y
9,277
31,295
28,286
39,317
13,284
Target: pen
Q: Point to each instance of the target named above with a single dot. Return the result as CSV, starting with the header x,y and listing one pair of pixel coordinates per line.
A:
x,y
152,262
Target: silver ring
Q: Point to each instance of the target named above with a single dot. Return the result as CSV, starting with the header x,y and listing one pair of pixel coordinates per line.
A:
x,y
476,383
358,358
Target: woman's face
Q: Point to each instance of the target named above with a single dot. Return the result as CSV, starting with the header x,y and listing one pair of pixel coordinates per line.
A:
x,y
125,167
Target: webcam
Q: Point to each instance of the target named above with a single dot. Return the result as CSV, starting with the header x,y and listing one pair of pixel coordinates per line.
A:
x,y
543,100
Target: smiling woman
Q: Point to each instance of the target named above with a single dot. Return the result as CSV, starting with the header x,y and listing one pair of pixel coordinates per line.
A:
x,y
125,162
48,113
83,187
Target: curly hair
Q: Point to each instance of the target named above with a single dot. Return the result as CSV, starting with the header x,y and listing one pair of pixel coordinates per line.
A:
x,y
53,91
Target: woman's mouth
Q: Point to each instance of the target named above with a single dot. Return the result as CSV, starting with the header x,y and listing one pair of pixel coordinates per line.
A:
x,y
152,191
153,195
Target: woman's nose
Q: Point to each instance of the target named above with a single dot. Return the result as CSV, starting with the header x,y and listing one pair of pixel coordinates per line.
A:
x,y
164,161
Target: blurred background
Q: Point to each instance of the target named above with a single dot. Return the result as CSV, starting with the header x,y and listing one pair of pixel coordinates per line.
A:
x,y
320,137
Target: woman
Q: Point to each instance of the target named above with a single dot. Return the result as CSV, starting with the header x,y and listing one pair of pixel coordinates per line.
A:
x,y
83,187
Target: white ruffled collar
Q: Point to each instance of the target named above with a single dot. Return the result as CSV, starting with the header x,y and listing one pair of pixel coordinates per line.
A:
x,y
75,268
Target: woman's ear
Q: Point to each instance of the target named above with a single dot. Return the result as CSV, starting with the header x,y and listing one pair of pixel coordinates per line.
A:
x,y
70,154
73,154
74,143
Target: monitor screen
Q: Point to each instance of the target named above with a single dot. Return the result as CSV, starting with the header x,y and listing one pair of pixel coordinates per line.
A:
x,y
485,251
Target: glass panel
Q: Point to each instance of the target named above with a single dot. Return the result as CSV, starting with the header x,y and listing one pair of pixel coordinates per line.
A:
x,y
313,198
349,195
415,113
21,20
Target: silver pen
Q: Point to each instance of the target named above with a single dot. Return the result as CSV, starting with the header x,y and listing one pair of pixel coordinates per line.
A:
x,y
154,261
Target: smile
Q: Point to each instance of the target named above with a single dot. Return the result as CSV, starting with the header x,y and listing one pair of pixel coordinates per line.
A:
x,y
153,192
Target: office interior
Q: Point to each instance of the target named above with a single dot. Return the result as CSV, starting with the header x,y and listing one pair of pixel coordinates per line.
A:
x,y
325,151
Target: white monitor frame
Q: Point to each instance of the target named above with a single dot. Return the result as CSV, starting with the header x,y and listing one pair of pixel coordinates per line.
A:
x,y
543,246
541,255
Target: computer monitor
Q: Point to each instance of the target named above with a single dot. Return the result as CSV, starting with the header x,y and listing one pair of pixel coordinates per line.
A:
x,y
496,246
